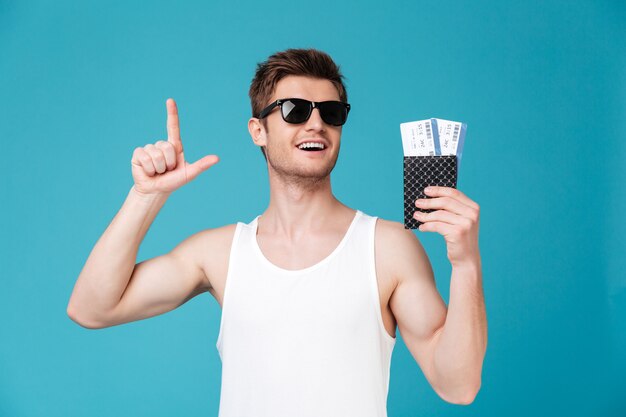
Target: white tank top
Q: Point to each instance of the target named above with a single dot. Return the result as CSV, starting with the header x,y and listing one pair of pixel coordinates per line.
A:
x,y
308,342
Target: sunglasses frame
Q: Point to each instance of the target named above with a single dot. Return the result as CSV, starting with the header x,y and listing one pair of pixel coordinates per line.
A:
x,y
312,105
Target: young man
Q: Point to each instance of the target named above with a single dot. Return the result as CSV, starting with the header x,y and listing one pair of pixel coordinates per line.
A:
x,y
311,290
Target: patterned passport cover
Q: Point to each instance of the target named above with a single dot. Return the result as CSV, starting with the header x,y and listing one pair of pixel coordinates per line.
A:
x,y
419,173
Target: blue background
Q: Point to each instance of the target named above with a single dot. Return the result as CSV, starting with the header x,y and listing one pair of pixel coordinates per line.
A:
x,y
541,85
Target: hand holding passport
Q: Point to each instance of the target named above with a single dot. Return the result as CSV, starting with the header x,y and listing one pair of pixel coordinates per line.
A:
x,y
432,154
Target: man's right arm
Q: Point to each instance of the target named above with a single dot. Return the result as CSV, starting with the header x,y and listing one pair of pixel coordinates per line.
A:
x,y
111,289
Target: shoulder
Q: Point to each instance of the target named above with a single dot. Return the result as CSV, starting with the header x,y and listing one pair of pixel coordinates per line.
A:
x,y
391,233
208,241
216,239
399,252
209,250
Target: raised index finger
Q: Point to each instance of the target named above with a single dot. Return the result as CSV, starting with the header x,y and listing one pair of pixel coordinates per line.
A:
x,y
173,129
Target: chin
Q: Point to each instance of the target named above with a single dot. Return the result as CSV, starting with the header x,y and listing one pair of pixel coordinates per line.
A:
x,y
285,166
302,175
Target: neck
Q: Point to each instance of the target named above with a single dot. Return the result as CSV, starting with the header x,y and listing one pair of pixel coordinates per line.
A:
x,y
299,205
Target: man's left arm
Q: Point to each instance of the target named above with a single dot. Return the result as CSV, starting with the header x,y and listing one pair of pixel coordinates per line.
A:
x,y
451,345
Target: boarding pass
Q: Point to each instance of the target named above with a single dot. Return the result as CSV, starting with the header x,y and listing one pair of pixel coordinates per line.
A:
x,y
432,137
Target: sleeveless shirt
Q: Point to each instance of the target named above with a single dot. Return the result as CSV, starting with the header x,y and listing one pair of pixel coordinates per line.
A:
x,y
308,342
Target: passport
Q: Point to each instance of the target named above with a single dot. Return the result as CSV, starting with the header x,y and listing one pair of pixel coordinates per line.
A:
x,y
432,155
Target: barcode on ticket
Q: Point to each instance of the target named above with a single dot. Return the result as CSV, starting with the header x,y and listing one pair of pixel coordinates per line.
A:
x,y
433,137
420,138
451,137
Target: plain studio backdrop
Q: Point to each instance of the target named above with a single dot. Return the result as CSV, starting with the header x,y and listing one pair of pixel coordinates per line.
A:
x,y
541,86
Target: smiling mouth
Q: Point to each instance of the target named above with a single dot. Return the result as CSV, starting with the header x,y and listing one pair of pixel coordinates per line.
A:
x,y
311,146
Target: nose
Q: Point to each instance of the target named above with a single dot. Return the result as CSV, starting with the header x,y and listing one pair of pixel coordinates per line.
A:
x,y
315,122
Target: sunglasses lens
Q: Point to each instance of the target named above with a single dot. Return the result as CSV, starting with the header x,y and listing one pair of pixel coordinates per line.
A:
x,y
296,111
333,112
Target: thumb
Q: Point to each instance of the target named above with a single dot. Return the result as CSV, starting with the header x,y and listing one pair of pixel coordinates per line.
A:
x,y
201,165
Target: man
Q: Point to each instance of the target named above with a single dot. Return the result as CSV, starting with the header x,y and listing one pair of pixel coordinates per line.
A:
x,y
311,290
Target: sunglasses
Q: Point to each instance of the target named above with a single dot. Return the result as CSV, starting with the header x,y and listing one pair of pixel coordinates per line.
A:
x,y
297,110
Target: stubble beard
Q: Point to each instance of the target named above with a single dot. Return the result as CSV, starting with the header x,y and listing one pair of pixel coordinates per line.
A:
x,y
288,172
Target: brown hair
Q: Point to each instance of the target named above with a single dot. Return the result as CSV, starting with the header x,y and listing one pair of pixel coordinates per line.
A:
x,y
305,62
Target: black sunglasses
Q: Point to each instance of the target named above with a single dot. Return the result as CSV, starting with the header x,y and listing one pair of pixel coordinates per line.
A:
x,y
297,110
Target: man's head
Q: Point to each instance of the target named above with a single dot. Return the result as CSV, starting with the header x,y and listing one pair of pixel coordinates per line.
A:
x,y
304,62
307,74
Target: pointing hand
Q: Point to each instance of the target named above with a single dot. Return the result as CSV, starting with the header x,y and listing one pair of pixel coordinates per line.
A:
x,y
160,168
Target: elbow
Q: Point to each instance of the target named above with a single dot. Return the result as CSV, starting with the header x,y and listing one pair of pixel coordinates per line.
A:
x,y
465,398
81,321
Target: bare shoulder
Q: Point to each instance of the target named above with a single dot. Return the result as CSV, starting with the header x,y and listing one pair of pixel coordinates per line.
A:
x,y
208,241
399,252
217,237
210,249
392,237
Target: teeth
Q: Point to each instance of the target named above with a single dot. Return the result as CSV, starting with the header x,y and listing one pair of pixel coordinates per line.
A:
x,y
307,145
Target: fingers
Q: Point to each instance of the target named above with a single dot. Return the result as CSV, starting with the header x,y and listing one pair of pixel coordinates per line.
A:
x,y
436,191
142,159
201,165
158,159
155,159
453,211
439,227
447,203
169,152
173,127
453,215
441,216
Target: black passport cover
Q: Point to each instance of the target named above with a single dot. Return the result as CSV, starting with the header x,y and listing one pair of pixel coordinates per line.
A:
x,y
419,173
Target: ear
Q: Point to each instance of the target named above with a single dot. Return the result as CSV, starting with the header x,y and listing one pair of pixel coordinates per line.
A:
x,y
257,131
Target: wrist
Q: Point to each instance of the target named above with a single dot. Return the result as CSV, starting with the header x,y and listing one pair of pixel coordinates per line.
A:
x,y
471,266
149,197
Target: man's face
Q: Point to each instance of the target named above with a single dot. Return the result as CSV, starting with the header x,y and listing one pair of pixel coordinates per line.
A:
x,y
281,139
